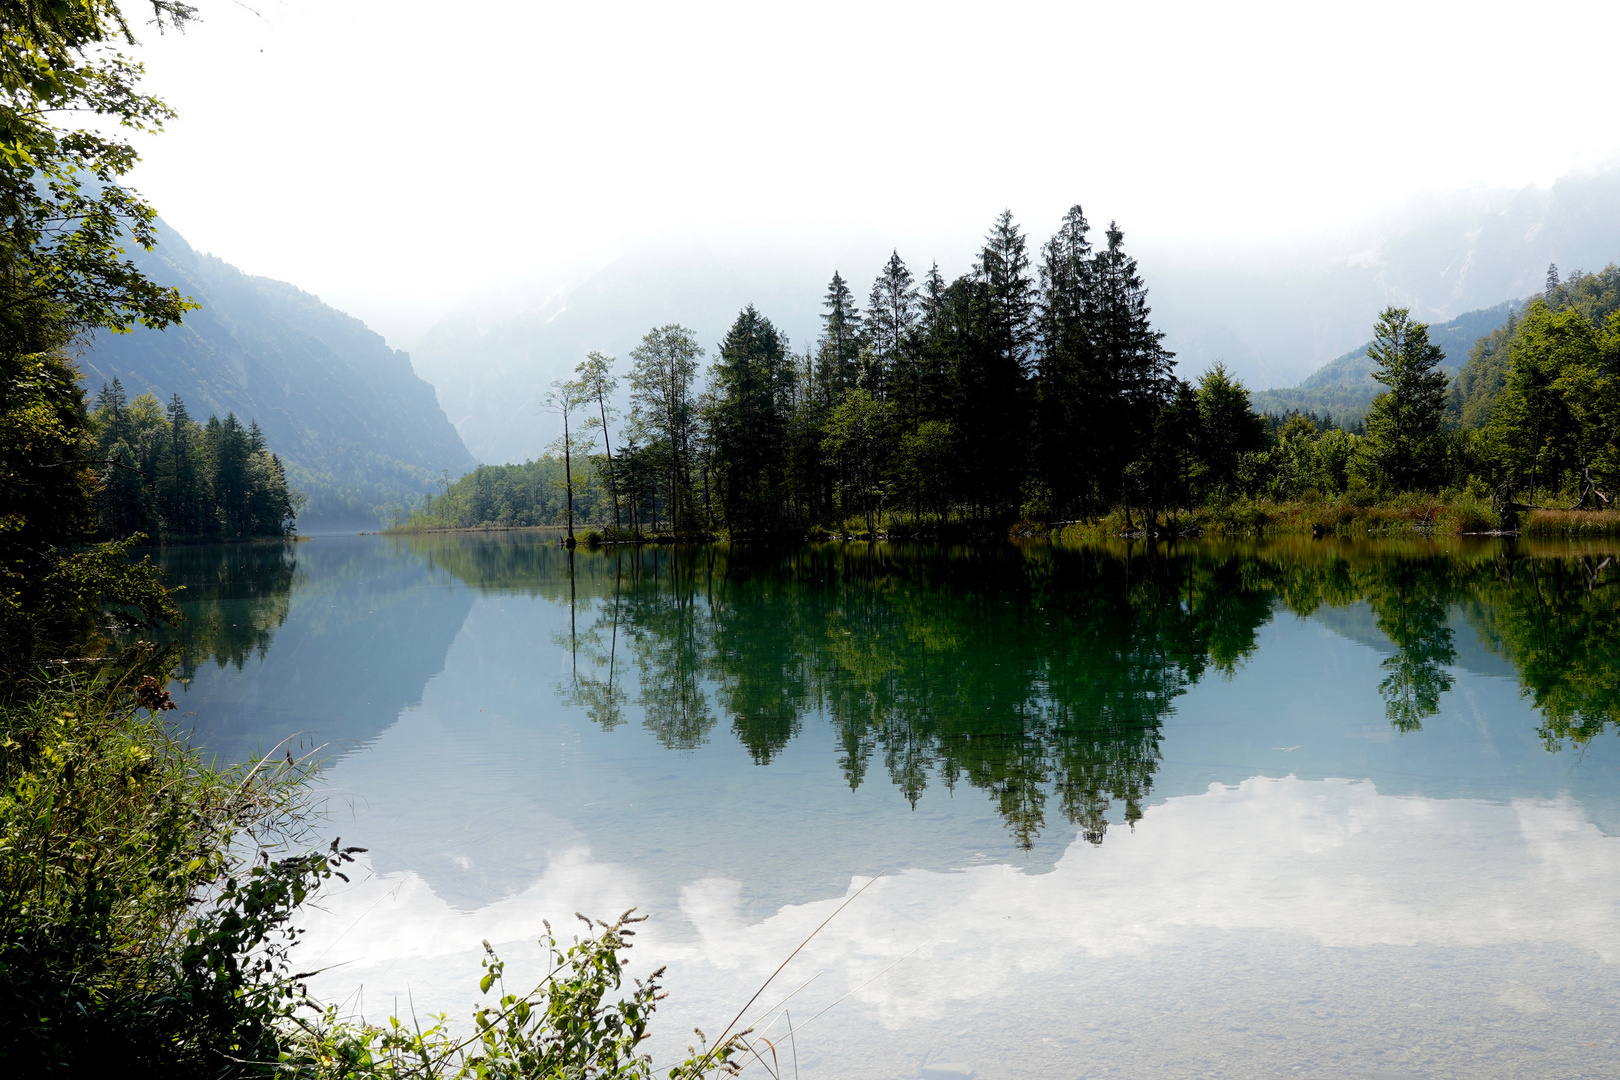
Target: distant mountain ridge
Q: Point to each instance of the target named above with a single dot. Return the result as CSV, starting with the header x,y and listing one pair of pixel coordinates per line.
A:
x,y
1345,386
360,432
1275,319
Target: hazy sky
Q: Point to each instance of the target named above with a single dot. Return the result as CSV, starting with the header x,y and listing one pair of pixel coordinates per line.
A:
x,y
392,156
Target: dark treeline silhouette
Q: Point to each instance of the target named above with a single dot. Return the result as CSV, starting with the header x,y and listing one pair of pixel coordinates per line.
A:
x,y
169,477
1036,387
1039,674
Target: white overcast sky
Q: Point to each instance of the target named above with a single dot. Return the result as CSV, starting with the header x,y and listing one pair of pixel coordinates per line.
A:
x,y
392,156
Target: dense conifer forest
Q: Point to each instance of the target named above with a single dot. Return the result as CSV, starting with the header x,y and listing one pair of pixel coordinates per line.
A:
x,y
1035,389
166,476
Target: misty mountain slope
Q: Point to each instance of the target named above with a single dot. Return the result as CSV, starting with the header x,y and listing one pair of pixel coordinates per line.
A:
x,y
1275,319
492,368
358,429
1455,338
1345,386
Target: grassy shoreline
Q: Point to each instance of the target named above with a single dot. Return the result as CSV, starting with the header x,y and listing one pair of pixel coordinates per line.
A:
x,y
1407,515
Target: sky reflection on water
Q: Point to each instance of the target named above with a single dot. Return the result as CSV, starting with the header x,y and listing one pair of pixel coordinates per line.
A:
x,y
1229,811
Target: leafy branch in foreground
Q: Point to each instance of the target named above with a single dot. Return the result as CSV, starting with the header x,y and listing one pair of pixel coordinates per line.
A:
x,y
565,1027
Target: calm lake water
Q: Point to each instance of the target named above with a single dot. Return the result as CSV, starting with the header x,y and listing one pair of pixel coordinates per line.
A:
x,y
1296,809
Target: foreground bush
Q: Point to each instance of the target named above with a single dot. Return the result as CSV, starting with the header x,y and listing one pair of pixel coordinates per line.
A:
x,y
144,913
567,1026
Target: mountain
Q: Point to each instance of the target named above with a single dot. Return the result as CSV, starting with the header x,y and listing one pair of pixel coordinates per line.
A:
x,y
360,433
1274,314
493,362
1345,386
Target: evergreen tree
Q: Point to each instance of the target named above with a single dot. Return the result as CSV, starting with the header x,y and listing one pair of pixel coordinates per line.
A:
x,y
891,316
838,352
748,423
993,334
228,459
182,501
1004,268
1133,369
1403,425
1226,429
930,368
1068,391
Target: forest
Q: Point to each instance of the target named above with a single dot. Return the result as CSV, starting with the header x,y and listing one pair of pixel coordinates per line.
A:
x,y
1035,389
166,477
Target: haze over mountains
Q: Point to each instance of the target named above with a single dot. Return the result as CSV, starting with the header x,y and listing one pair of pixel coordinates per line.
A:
x,y
364,432
360,433
1272,316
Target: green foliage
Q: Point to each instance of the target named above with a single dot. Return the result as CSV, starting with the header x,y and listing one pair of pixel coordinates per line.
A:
x,y
519,496
663,425
1403,425
63,216
748,421
1227,429
168,477
858,441
143,918
1558,409
567,1026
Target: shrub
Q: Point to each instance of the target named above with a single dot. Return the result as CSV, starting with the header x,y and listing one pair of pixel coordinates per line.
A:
x,y
564,1027
143,918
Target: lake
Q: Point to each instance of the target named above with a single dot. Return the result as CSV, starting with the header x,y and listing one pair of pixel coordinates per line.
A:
x,y
1303,808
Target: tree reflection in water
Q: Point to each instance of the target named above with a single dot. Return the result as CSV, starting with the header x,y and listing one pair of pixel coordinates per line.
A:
x,y
1039,674
236,596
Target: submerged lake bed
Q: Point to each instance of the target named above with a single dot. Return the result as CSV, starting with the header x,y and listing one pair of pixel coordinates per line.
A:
x,y
1307,808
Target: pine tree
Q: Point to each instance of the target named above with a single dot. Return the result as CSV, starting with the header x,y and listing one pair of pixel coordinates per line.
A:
x,y
929,367
1004,268
1134,370
1068,393
891,316
838,352
181,496
994,330
748,422
1403,425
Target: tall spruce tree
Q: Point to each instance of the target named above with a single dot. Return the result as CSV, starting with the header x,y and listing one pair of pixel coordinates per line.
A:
x,y
1133,367
891,317
182,504
838,352
748,423
1068,392
1403,425
995,332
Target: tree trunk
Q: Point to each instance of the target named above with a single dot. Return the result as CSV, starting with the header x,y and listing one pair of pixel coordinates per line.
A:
x,y
613,480
568,475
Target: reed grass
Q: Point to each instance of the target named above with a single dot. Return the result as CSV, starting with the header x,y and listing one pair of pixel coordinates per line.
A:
x,y
1571,524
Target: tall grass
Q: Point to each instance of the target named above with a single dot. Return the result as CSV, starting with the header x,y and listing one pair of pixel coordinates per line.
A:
x,y
144,897
1571,524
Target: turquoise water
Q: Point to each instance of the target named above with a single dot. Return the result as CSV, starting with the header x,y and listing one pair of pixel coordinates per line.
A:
x,y
1304,809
